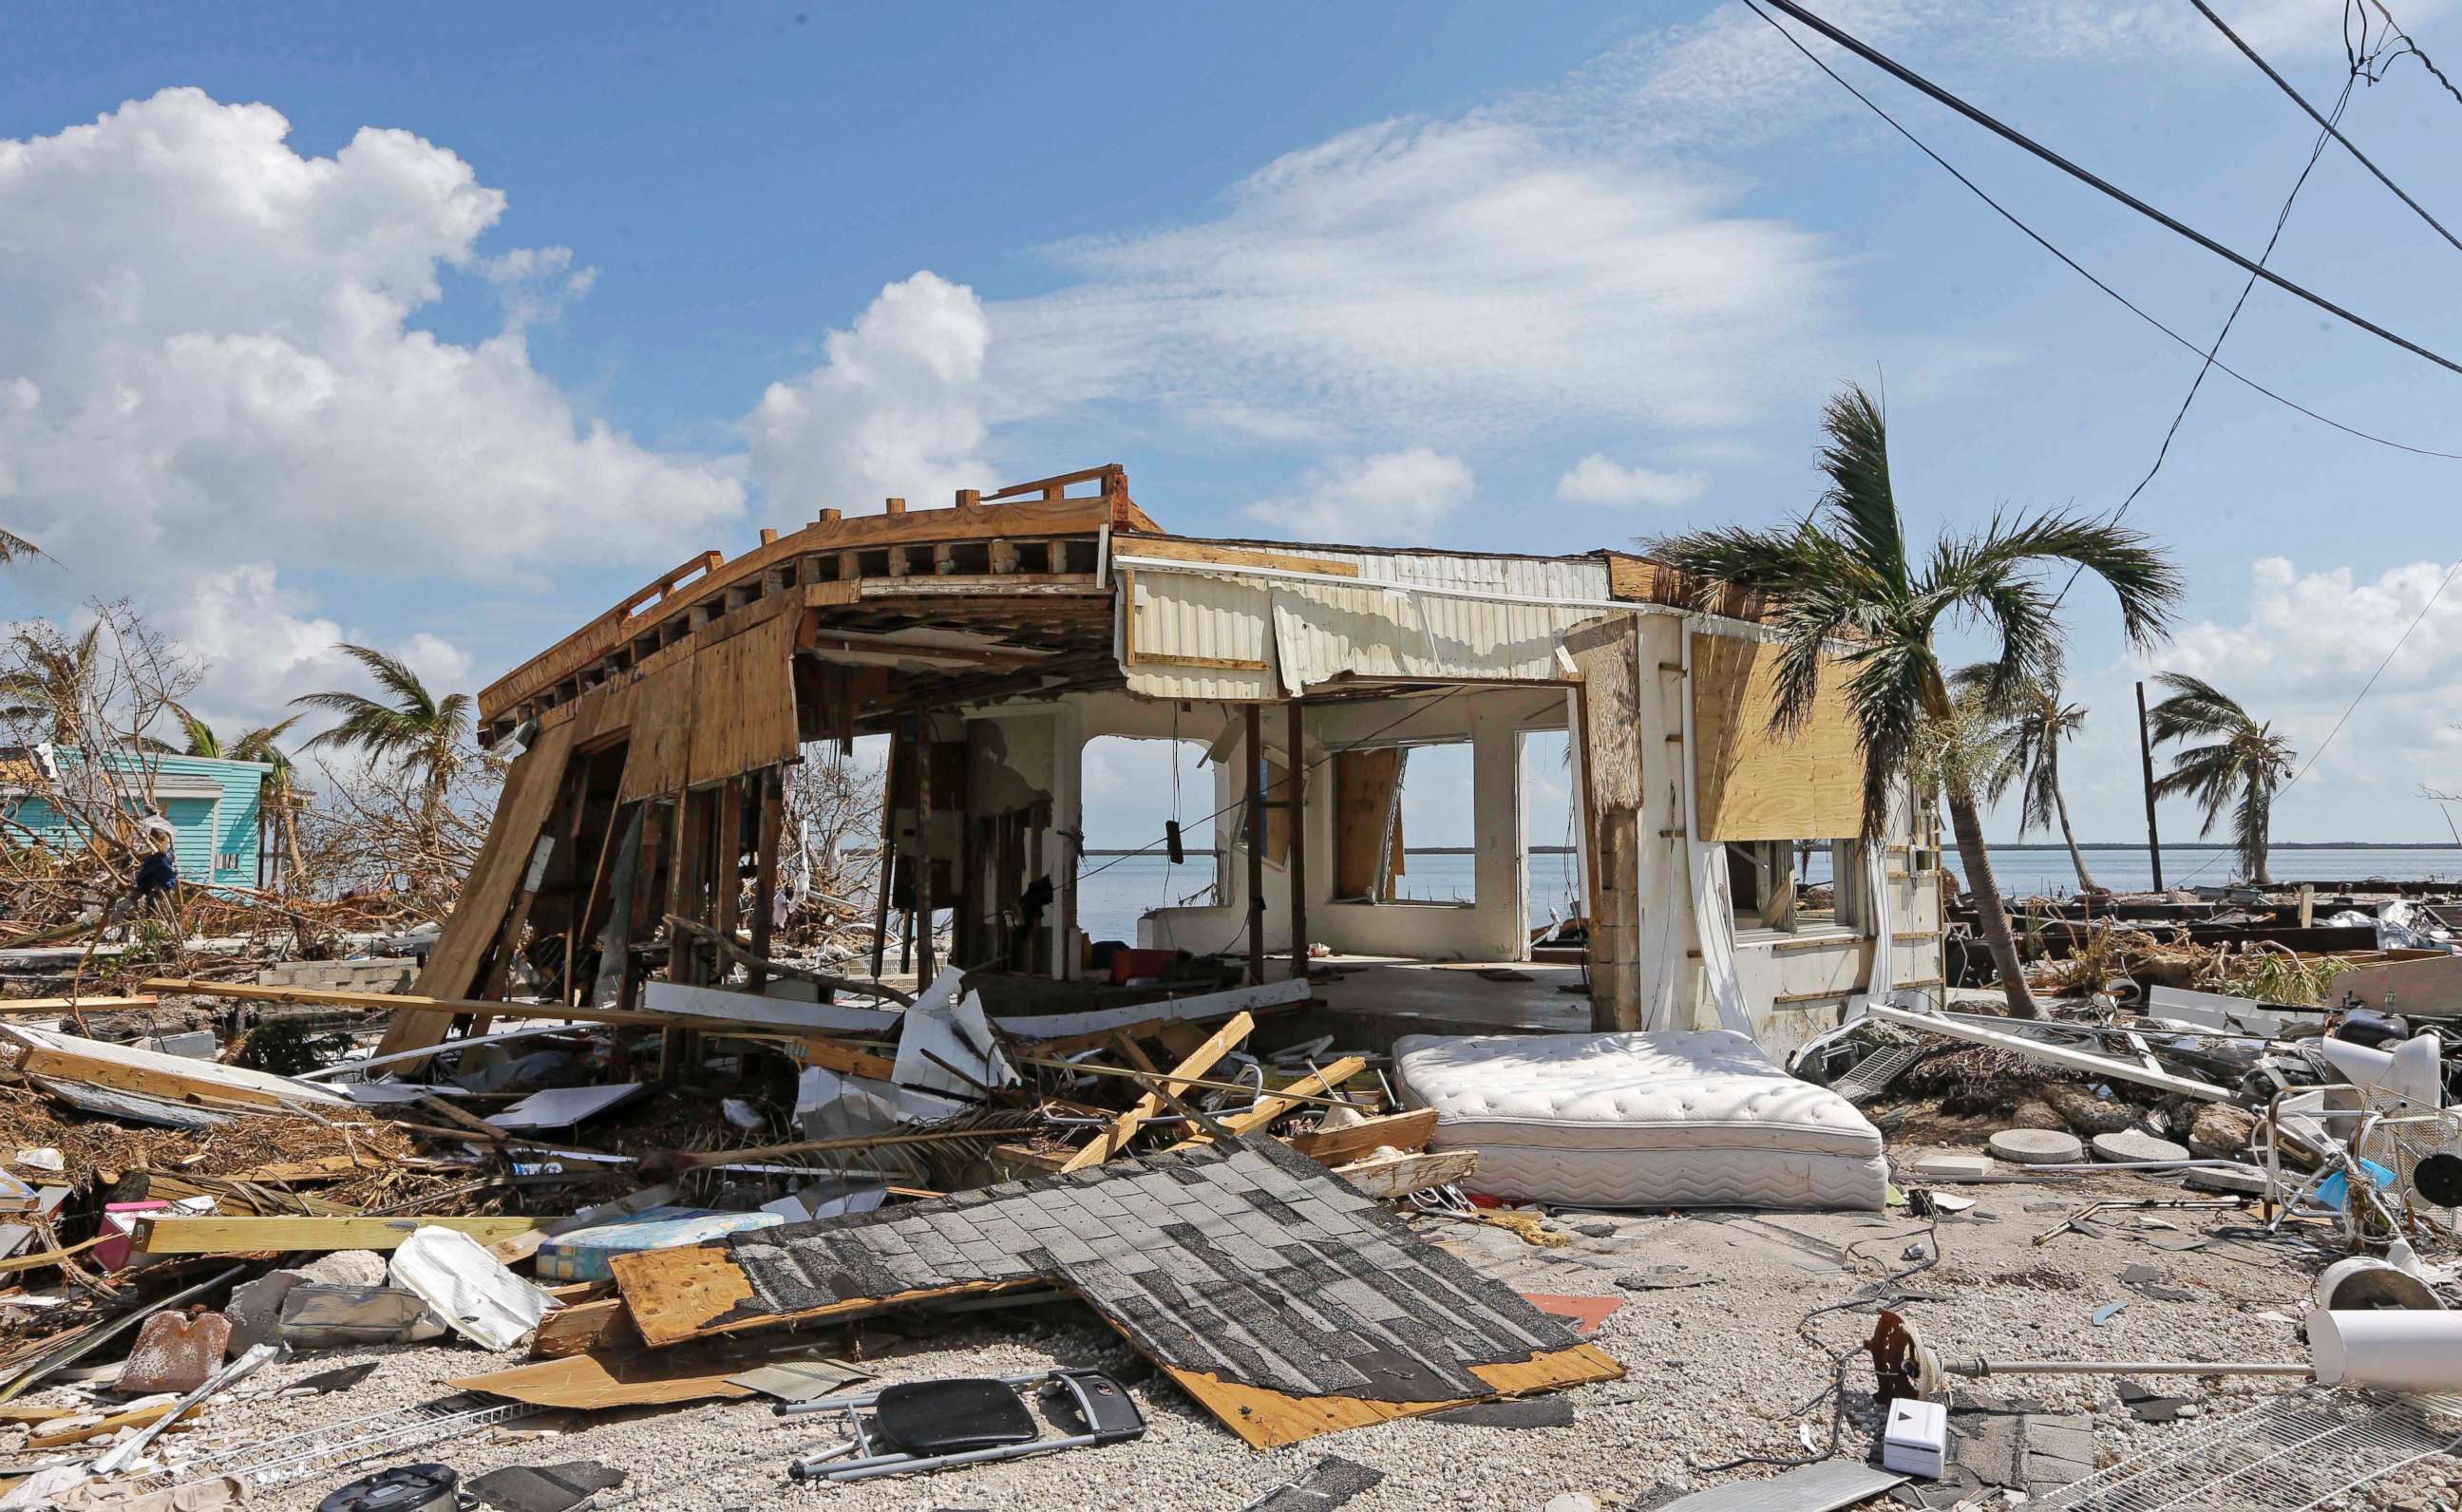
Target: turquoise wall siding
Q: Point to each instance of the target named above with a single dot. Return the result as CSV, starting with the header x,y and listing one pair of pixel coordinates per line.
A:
x,y
215,839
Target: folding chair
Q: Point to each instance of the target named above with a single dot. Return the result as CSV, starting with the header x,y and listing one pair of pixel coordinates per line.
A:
x,y
929,1425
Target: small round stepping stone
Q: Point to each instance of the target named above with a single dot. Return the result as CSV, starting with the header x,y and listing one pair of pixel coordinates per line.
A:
x,y
2036,1147
2131,1145
2247,1180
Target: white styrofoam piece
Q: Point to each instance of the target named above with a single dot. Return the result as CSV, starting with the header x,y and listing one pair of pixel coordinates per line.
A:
x,y
467,1289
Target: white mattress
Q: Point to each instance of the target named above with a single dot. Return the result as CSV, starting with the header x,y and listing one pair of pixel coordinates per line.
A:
x,y
1674,1119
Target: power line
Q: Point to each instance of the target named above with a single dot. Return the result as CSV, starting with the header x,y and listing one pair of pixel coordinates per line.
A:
x,y
2080,269
2318,754
2179,228
2409,48
2331,129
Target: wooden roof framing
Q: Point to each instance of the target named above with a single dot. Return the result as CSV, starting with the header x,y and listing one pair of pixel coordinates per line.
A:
x,y
1021,565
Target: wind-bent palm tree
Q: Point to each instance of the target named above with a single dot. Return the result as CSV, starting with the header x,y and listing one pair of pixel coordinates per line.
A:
x,y
281,784
417,729
13,547
2246,762
1841,577
2023,737
54,680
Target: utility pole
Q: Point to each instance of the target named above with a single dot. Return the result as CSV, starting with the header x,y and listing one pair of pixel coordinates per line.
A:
x,y
2146,755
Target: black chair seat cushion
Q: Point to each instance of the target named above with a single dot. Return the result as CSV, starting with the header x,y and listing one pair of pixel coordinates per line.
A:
x,y
951,1417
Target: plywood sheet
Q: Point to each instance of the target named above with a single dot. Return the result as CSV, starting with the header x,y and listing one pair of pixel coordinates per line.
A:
x,y
1367,787
522,807
1752,784
656,762
743,701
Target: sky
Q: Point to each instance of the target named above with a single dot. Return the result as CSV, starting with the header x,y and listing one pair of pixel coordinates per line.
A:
x,y
440,329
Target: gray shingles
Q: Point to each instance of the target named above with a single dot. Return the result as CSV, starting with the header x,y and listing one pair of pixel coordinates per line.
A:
x,y
1248,1261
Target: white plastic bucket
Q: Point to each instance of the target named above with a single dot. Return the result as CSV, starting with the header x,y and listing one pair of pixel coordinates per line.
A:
x,y
2391,1351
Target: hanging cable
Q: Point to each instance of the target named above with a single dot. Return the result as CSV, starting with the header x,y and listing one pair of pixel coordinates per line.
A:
x,y
2007,132
2080,269
2359,56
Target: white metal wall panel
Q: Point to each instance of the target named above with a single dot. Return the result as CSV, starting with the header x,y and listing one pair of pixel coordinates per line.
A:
x,y
1311,632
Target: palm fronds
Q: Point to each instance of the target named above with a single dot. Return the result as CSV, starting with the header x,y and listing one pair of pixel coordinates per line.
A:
x,y
2239,768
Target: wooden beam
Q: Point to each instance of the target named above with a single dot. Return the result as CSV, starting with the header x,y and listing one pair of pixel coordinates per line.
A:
x,y
1176,550
49,1007
248,1235
1275,1105
1110,1141
926,967
765,841
253,992
1335,1147
1252,757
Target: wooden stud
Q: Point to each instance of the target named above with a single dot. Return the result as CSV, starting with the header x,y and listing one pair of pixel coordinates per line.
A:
x,y
1295,801
217,1235
1110,1141
893,505
764,876
831,517
1274,1105
1253,763
925,964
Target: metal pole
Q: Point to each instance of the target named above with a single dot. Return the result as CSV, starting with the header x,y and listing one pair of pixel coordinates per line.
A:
x,y
2145,756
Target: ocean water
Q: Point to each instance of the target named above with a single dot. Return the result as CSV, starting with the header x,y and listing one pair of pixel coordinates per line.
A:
x,y
1110,900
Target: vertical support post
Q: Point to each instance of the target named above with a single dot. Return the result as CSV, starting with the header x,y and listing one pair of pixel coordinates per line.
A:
x,y
1252,759
726,878
885,867
2146,755
764,884
1295,801
925,966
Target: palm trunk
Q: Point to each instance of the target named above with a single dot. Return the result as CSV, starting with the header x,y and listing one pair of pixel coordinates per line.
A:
x,y
1991,917
2077,857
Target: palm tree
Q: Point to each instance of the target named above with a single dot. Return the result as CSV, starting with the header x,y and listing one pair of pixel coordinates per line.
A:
x,y
1840,581
2247,761
13,547
417,729
281,784
54,680
2022,738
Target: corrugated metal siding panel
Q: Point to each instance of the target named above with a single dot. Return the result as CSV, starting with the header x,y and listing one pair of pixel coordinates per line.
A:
x,y
1322,630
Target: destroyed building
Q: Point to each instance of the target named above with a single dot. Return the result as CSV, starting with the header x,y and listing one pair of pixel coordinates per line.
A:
x,y
1002,634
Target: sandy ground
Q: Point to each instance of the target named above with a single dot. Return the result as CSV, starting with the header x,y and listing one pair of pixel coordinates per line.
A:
x,y
1717,1371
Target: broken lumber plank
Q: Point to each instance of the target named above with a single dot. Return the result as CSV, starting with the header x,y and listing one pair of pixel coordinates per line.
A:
x,y
60,1437
52,1007
249,1236
1091,1068
585,1328
1402,1175
151,1074
1110,1141
1404,1132
838,1055
414,1002
1274,1105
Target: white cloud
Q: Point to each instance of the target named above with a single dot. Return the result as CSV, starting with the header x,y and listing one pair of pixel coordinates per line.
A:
x,y
895,406
1432,278
206,362
1596,480
2310,641
263,644
1397,496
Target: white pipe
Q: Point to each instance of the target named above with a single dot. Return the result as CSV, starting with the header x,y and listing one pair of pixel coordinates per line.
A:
x,y
2388,1351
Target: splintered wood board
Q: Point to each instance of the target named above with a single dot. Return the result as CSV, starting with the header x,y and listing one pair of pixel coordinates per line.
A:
x,y
1274,1105
1405,1131
680,1294
613,1378
151,1074
1753,784
1110,1141
531,785
1265,1419
245,1236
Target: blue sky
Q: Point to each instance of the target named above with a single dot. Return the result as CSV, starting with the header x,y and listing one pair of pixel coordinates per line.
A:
x,y
443,328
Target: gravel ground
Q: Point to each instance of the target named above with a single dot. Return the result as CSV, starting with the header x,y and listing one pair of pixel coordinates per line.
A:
x,y
1717,1371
